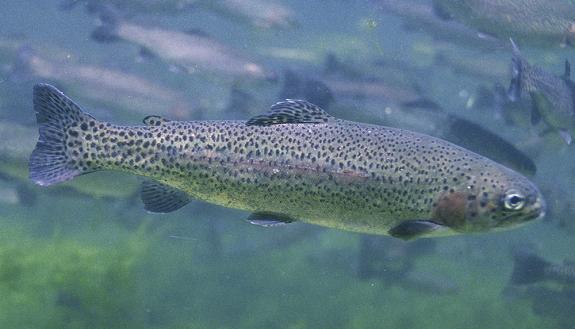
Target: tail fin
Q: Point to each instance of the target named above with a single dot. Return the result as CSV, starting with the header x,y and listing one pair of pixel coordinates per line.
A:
x,y
60,123
517,68
528,268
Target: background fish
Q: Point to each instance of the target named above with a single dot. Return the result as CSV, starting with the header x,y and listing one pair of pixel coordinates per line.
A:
x,y
421,17
354,176
537,22
193,52
530,268
259,13
102,85
171,7
552,97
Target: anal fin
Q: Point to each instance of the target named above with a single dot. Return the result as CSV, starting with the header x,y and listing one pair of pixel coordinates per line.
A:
x,y
161,198
267,219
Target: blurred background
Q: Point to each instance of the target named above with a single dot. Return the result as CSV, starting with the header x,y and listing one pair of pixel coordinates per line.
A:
x,y
85,254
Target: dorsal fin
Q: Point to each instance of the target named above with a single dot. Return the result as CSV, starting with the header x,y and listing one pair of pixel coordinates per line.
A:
x,y
567,72
291,111
154,120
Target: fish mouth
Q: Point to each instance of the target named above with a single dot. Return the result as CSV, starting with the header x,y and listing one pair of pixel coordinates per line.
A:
x,y
538,209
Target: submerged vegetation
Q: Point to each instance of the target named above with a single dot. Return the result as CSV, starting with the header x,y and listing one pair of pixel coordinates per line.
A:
x,y
65,283
141,281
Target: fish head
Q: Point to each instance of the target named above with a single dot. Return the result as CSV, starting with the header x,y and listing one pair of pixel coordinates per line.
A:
x,y
490,202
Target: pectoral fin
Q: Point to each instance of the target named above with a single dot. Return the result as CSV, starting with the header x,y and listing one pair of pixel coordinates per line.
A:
x,y
161,198
267,219
412,229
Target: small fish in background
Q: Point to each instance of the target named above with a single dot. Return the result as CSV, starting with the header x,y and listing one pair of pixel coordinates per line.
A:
x,y
421,17
265,14
259,13
529,268
192,52
549,287
346,81
295,162
125,93
542,23
552,97
134,7
494,103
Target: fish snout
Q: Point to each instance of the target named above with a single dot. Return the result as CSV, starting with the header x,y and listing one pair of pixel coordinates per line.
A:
x,y
539,207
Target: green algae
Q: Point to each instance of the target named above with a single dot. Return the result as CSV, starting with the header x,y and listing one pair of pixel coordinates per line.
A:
x,y
65,283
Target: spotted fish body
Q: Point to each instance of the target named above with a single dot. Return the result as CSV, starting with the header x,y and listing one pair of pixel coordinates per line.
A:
x,y
294,163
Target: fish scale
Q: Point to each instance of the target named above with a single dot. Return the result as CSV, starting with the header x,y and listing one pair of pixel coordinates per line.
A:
x,y
335,173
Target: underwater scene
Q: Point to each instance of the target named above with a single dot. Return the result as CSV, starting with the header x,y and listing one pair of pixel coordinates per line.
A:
x,y
287,164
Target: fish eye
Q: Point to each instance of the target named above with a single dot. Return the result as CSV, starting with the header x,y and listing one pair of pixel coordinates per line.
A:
x,y
514,200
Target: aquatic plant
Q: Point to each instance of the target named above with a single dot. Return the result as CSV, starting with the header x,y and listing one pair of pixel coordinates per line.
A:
x,y
65,283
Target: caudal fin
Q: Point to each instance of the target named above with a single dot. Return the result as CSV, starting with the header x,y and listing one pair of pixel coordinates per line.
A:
x,y
528,268
517,71
57,156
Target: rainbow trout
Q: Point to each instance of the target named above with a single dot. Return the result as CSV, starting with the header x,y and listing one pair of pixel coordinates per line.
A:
x,y
295,162
552,97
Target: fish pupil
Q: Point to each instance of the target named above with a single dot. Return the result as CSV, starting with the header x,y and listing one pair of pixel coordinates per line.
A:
x,y
515,200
